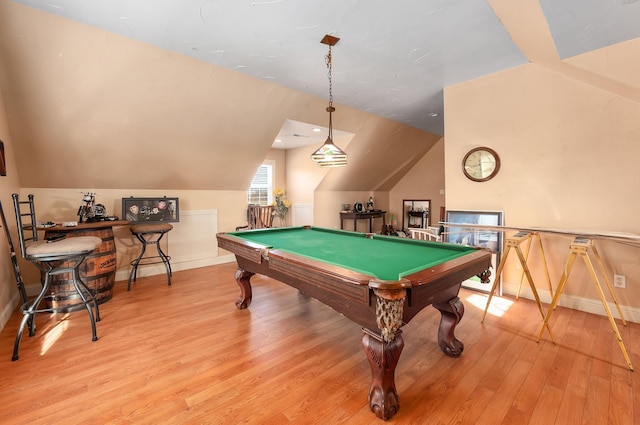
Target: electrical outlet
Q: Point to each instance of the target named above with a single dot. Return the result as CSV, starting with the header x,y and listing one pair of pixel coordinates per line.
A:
x,y
619,281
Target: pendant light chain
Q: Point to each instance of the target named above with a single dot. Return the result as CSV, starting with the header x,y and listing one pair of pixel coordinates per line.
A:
x,y
330,75
330,109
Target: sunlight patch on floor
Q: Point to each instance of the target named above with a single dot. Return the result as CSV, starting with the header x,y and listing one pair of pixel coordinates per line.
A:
x,y
498,307
52,336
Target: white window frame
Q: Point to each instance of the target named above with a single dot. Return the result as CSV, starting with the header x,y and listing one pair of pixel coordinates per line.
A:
x,y
259,184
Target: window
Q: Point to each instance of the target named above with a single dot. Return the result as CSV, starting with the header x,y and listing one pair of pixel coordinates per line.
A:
x,y
261,189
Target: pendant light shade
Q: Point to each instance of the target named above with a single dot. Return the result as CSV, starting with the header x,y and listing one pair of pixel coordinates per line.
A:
x,y
329,155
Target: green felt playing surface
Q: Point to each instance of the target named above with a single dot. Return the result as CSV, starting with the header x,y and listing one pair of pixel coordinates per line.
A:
x,y
384,257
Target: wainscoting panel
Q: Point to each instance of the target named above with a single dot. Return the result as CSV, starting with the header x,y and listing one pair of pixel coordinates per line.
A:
x,y
302,214
192,243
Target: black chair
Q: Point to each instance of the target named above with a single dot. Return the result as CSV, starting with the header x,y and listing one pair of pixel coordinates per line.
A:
x,y
53,258
150,234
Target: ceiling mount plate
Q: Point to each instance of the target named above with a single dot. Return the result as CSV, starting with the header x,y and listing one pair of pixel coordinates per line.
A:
x,y
330,40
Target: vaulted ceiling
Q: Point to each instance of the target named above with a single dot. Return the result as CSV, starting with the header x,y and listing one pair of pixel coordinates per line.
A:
x,y
392,62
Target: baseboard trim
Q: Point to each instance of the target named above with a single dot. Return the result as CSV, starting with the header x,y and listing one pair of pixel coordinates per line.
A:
x,y
588,305
9,308
155,269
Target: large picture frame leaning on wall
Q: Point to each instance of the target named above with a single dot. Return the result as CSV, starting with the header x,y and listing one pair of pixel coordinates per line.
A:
x,y
149,210
483,238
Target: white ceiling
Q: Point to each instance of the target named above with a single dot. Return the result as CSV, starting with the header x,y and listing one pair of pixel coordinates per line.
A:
x,y
295,134
393,59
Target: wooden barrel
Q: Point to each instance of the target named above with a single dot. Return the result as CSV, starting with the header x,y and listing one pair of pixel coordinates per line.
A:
x,y
98,271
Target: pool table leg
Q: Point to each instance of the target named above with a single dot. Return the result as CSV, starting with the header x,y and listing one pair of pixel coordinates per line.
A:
x,y
243,280
383,359
451,312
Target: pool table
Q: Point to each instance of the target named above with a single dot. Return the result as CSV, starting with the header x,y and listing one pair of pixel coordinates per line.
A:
x,y
379,282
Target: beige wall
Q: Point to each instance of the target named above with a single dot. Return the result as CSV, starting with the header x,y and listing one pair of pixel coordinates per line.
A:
x,y
8,185
279,156
567,133
120,113
568,147
424,181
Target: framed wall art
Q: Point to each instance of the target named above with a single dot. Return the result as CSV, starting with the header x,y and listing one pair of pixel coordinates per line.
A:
x,y
144,210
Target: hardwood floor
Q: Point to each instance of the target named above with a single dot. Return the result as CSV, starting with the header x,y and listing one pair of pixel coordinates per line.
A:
x,y
185,355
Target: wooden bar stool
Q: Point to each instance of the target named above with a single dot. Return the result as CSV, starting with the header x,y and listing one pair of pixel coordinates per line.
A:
x,y
150,234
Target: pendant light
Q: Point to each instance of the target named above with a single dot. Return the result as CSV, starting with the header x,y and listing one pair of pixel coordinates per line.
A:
x,y
329,155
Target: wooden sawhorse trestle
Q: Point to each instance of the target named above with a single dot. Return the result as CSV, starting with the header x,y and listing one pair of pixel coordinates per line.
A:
x,y
580,246
532,235
514,242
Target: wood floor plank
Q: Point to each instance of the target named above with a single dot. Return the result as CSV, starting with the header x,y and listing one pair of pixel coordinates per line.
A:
x,y
184,354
